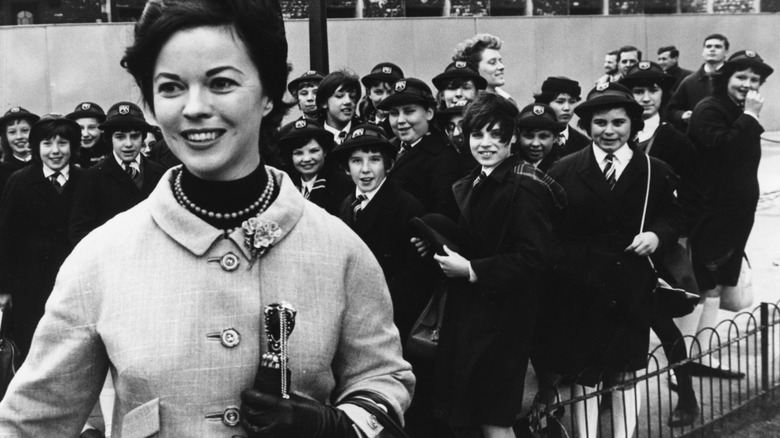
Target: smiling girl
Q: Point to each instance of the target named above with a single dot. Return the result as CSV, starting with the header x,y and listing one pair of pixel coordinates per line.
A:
x,y
482,50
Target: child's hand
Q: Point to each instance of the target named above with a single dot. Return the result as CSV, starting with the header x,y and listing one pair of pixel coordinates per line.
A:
x,y
423,248
453,264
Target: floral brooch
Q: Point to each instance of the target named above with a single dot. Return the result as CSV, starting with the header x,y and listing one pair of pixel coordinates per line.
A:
x,y
259,236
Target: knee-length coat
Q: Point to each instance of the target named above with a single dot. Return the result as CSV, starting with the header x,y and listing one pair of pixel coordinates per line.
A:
x,y
33,244
488,326
595,314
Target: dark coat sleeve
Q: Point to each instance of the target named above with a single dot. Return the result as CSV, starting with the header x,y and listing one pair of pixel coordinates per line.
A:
x,y
85,213
712,128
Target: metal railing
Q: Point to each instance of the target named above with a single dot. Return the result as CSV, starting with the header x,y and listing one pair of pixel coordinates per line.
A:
x,y
748,343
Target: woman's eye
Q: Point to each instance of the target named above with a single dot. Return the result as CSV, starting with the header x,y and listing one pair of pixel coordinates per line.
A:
x,y
222,84
168,88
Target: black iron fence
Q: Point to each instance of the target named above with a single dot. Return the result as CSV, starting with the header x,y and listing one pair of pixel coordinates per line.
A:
x,y
749,343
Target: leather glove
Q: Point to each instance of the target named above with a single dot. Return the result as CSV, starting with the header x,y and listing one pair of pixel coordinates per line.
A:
x,y
270,416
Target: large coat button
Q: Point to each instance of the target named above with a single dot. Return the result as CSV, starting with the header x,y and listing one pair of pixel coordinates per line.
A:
x,y
231,417
229,262
230,338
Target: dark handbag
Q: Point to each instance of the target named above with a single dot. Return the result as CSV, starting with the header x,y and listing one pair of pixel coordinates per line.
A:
x,y
365,400
667,301
9,359
424,336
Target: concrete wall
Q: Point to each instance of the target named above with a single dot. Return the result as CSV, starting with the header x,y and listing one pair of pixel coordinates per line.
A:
x,y
51,68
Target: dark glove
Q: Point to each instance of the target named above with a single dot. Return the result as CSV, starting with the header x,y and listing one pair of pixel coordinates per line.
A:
x,y
265,415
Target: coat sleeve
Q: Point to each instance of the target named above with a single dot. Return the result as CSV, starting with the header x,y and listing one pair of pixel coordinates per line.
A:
x,y
665,216
369,352
10,207
60,381
711,129
678,105
444,174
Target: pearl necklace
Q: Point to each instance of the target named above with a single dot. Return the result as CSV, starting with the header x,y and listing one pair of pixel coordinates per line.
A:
x,y
262,202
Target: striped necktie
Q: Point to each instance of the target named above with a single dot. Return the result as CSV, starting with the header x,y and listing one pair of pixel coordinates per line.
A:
x,y
478,180
55,181
357,205
131,171
609,170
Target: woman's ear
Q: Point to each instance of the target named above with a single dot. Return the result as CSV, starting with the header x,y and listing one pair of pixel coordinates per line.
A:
x,y
269,106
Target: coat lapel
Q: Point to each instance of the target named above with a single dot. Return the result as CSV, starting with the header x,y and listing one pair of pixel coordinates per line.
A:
x,y
636,168
591,174
117,173
462,192
375,209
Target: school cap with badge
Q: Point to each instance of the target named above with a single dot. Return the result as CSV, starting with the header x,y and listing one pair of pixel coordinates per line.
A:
x,y
408,90
125,116
308,76
18,113
743,59
86,110
364,135
647,73
383,72
607,95
459,70
304,128
562,84
539,116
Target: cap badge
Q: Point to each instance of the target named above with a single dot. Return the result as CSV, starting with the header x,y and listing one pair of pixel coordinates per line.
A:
x,y
300,124
460,64
124,109
400,86
750,54
644,65
358,132
310,73
601,86
15,109
86,106
387,70
538,110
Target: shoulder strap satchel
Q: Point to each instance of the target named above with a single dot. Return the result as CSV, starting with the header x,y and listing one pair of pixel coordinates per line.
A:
x,y
365,400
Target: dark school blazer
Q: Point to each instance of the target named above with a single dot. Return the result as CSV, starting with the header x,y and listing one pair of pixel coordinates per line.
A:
x,y
595,314
33,243
106,190
427,172
384,226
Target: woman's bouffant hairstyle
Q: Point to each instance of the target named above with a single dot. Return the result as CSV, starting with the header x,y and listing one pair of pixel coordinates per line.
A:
x,y
258,23
487,110
471,49
49,130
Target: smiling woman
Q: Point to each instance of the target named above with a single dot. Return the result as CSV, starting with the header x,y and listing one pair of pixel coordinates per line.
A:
x,y
221,238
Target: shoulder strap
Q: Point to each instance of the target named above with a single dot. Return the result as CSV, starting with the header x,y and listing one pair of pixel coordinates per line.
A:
x,y
557,193
647,196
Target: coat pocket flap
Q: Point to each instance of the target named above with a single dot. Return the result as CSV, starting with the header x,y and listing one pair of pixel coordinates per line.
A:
x,y
143,421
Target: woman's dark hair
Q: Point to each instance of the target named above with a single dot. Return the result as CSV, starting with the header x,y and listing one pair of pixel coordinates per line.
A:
x,y
471,49
666,95
332,82
258,23
636,119
49,130
487,110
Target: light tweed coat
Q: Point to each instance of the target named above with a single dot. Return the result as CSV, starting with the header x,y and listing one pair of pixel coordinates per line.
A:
x,y
145,298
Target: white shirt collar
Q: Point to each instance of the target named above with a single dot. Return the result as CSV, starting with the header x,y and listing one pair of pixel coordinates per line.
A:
x,y
336,132
25,159
622,157
651,125
369,195
64,174
565,133
136,161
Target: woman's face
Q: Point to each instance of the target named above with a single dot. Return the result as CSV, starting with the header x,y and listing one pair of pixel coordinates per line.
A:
x,y
17,133
536,143
741,82
563,105
459,91
308,160
411,121
487,147
610,128
209,102
649,96
55,153
491,67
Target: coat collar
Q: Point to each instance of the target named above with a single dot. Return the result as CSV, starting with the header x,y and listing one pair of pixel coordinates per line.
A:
x,y
462,189
198,236
591,174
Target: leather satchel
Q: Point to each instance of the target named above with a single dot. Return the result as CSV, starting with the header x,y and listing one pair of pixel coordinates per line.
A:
x,y
424,336
668,301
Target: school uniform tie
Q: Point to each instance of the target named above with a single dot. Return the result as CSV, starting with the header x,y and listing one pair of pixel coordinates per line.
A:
x,y
479,179
561,140
55,181
405,147
131,171
357,206
340,138
306,192
609,170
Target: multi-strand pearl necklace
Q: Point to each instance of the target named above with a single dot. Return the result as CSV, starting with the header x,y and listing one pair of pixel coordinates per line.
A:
x,y
261,203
